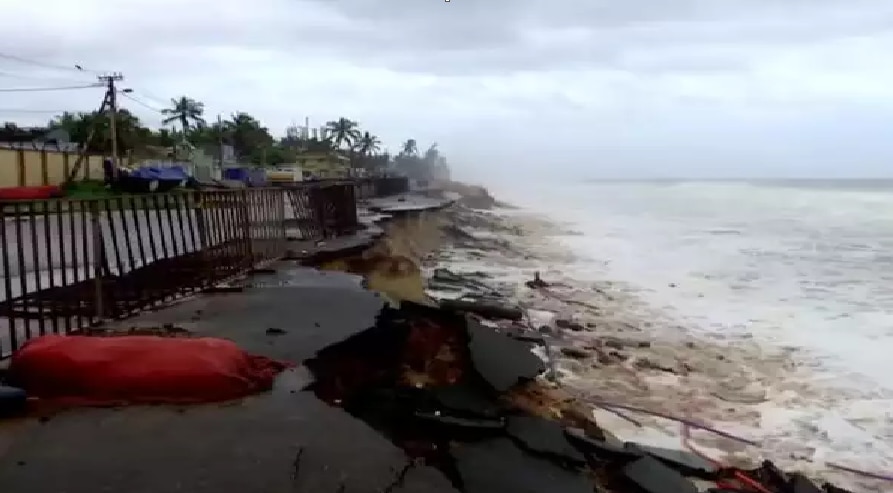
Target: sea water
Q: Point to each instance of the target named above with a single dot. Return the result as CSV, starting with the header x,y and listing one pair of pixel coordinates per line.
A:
x,y
800,265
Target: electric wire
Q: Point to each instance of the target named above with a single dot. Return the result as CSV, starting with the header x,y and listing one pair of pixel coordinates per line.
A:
x,y
37,63
56,88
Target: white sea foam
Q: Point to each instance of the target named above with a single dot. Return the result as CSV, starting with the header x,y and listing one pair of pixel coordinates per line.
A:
x,y
773,304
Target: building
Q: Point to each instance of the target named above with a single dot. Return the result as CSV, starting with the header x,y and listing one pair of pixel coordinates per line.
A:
x,y
36,139
323,164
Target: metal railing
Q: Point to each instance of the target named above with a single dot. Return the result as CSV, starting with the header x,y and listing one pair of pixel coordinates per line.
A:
x,y
70,263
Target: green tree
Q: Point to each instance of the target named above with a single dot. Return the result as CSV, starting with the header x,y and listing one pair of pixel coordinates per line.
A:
x,y
186,111
131,134
366,146
250,139
343,131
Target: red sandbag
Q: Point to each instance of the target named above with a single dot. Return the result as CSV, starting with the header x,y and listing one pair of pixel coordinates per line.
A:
x,y
82,370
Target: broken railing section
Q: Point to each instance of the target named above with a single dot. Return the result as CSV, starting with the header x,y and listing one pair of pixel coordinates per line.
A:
x,y
69,263
461,396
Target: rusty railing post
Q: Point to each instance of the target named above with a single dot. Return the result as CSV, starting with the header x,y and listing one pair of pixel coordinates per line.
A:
x,y
96,227
246,225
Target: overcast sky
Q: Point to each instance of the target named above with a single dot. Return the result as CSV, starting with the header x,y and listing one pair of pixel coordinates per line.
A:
x,y
578,88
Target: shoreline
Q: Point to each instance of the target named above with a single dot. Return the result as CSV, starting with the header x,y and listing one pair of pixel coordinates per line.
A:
x,y
623,353
400,265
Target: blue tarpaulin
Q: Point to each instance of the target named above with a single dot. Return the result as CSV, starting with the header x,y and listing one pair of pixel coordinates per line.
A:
x,y
253,177
174,173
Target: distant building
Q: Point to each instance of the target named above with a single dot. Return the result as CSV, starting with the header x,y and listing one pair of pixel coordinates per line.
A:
x,y
37,139
323,164
441,171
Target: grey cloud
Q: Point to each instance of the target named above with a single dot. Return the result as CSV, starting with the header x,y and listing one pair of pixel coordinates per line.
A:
x,y
462,37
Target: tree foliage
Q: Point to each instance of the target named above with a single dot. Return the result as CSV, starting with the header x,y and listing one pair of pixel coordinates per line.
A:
x,y
184,121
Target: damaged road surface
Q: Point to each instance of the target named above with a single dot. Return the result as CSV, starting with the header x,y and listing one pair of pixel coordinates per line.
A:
x,y
332,430
411,399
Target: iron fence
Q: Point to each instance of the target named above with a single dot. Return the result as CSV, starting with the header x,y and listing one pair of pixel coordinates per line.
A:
x,y
70,263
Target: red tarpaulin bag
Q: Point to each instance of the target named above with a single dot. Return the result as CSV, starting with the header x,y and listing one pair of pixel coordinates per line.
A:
x,y
83,370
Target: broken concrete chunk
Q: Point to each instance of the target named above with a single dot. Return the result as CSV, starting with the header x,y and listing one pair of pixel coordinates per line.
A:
x,y
650,364
498,466
770,475
423,479
524,334
484,309
569,325
544,437
464,400
469,424
575,352
500,360
652,476
685,462
800,484
610,449
830,488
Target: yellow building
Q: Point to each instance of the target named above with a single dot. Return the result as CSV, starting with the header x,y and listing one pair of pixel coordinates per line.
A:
x,y
28,167
323,164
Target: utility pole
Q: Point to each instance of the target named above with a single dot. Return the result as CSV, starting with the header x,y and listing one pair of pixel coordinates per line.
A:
x,y
112,95
220,141
73,173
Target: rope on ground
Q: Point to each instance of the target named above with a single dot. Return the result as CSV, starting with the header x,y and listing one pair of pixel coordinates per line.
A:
x,y
736,473
693,424
688,422
873,475
619,414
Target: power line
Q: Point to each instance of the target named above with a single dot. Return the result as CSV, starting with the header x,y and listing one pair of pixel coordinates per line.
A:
x,y
24,110
75,68
33,77
58,88
139,102
149,95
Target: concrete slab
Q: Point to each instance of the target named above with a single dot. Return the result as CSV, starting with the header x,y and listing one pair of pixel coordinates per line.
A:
x,y
308,317
497,466
282,441
406,203
545,437
322,250
288,274
499,359
652,476
285,440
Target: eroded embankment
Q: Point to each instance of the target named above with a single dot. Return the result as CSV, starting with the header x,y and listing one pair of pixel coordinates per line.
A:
x,y
613,465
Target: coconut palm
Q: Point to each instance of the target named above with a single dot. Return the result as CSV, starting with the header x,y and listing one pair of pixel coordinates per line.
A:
x,y
368,144
186,111
344,131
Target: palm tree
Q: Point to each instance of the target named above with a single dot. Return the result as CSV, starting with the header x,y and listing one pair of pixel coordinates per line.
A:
x,y
187,111
368,144
343,130
250,139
